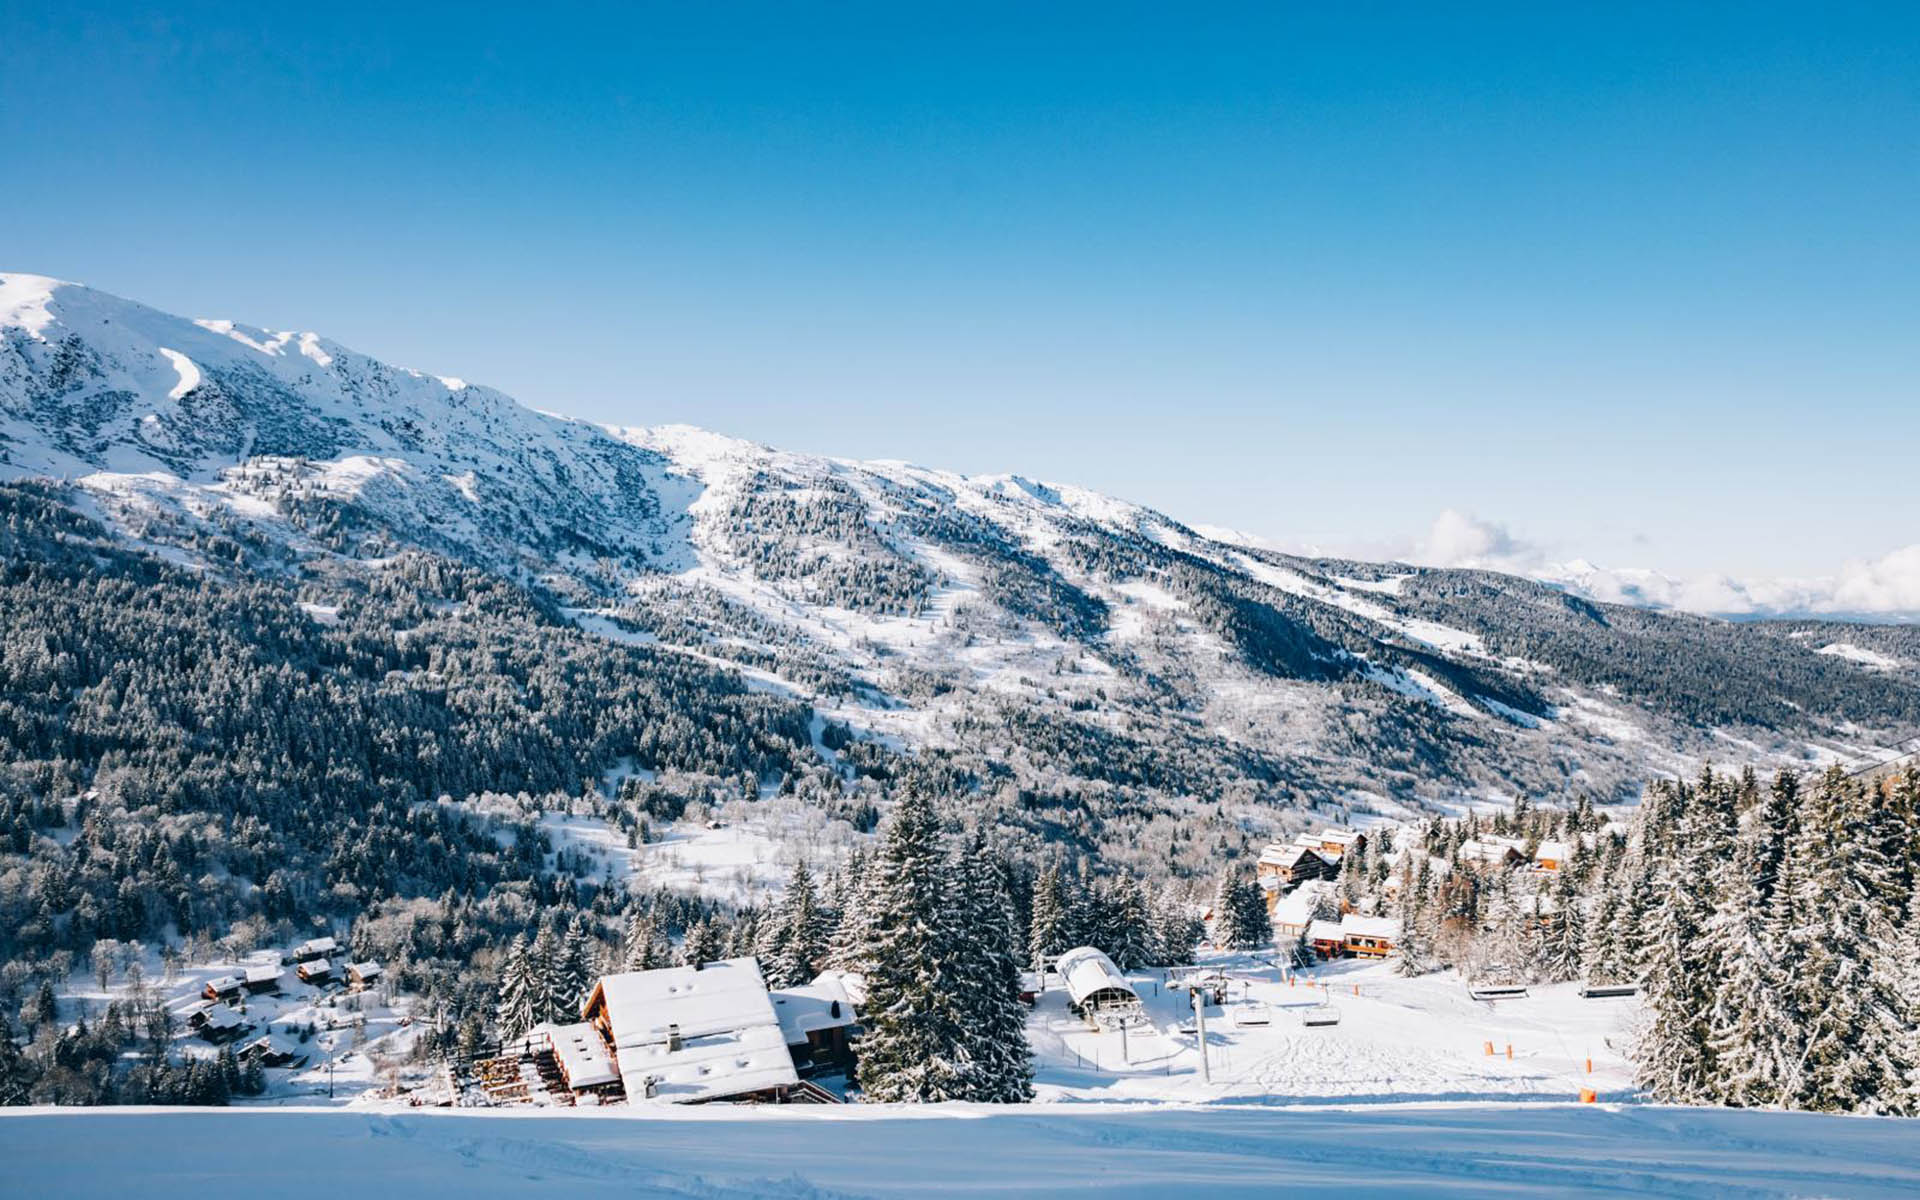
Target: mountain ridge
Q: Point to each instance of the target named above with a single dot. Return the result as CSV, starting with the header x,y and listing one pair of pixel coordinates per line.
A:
x,y
1058,638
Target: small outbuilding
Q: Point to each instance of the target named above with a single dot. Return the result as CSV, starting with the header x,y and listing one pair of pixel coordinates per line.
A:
x,y
1097,989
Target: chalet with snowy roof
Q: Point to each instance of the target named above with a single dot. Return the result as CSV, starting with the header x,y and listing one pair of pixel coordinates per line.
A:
x,y
269,1053
586,1064
217,1023
262,978
1336,840
1492,853
1293,912
1551,856
1327,938
315,970
363,975
688,1035
225,987
819,1021
1369,937
312,948
1291,864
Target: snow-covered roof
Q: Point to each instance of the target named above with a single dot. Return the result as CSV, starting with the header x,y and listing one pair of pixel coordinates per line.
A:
x,y
1087,972
1489,849
822,1004
583,1055
1339,836
1296,907
1326,931
364,970
711,1067
313,946
219,1016
852,983
225,983
699,1034
263,973
1558,851
642,1006
1290,854
1370,927
318,966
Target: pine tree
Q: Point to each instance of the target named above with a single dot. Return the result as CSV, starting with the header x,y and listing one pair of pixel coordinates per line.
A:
x,y
701,944
543,962
916,1047
1130,941
852,936
1673,1058
1240,914
987,972
520,992
1754,1023
1176,931
573,973
1047,931
1855,1039
1566,933
799,941
643,948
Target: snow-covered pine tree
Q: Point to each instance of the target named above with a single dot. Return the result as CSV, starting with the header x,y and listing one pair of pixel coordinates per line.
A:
x,y
799,948
543,961
915,1048
1754,1025
1048,929
1240,913
574,970
520,991
1673,1057
643,949
852,936
1176,931
701,945
1855,1036
1132,925
987,971
1564,940
1414,947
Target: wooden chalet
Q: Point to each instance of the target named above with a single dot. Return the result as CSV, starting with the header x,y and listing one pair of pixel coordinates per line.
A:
x,y
585,1062
217,1023
1291,864
1336,840
363,975
1551,856
689,1035
1327,939
226,987
316,970
819,1021
262,978
312,948
1369,937
270,1053
1493,853
1293,912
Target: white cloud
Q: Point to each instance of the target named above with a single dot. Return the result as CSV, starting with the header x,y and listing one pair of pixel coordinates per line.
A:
x,y
1888,586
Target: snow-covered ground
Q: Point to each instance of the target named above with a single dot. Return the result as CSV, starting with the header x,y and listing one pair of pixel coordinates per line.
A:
x,y
1397,1040
723,1153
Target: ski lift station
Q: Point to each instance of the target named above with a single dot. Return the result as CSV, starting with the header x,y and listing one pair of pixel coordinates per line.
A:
x,y
1097,989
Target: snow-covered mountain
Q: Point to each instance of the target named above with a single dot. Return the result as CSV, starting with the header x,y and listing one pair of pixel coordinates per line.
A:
x,y
1075,644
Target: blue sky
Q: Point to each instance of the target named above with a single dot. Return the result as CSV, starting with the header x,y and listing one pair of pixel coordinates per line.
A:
x,y
1636,284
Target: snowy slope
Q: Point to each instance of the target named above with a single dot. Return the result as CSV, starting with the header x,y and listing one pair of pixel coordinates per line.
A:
x,y
871,1151
997,615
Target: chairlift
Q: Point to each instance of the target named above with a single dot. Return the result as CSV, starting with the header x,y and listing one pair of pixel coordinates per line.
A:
x,y
1319,1015
1604,991
1497,991
1252,1013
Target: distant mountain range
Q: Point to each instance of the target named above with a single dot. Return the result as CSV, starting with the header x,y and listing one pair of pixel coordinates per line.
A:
x,y
1058,641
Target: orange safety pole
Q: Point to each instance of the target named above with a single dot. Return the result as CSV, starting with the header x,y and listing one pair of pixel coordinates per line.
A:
x,y
1489,1046
1589,1066
1509,1050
